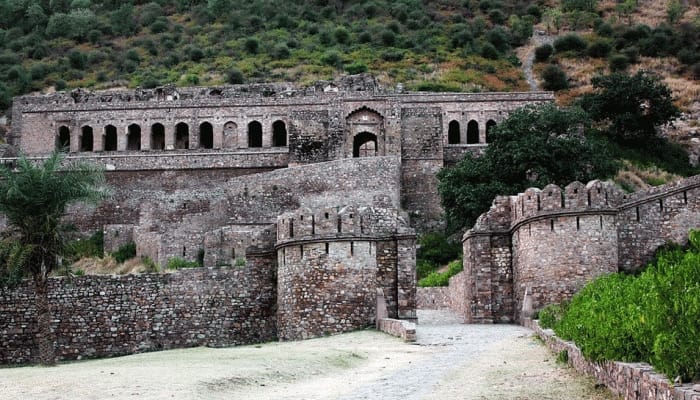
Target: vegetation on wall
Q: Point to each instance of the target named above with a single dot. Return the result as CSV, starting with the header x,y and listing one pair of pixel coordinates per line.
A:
x,y
652,317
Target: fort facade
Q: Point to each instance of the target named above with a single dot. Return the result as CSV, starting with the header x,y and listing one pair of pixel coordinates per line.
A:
x,y
552,241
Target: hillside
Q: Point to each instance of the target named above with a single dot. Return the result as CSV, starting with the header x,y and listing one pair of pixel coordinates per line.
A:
x,y
443,45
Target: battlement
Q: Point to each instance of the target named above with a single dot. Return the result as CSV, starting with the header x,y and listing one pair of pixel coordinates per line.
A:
x,y
339,223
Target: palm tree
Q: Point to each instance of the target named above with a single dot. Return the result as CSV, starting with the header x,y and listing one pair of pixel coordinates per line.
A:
x,y
34,200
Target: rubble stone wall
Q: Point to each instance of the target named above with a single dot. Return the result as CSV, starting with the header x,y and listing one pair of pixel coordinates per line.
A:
x,y
103,316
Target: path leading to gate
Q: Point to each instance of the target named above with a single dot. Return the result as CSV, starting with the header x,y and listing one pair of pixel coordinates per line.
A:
x,y
449,361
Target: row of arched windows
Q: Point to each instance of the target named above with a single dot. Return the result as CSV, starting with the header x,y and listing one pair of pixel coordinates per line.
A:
x,y
454,134
110,141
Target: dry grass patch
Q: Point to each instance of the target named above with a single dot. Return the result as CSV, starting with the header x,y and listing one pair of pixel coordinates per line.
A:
x,y
632,177
109,266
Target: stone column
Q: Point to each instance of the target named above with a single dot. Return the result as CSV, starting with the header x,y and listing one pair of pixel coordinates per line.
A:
x,y
218,135
146,138
169,136
266,133
98,140
122,139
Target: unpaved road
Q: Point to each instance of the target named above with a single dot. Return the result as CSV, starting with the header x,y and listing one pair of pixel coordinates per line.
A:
x,y
449,361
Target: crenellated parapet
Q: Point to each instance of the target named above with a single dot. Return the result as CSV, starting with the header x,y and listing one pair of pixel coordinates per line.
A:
x,y
549,242
334,263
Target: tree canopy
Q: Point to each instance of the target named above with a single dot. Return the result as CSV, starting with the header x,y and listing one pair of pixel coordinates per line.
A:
x,y
534,146
34,199
630,107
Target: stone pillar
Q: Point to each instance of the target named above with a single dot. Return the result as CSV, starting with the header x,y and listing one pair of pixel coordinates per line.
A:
x,y
122,139
75,134
266,134
463,131
218,135
482,132
146,138
406,272
98,140
194,135
169,136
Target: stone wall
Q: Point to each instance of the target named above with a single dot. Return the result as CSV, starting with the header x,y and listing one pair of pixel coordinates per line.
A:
x,y
103,316
333,264
632,381
553,241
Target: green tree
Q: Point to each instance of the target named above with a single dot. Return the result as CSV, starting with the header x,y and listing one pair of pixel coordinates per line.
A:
x,y
34,200
534,146
554,78
630,108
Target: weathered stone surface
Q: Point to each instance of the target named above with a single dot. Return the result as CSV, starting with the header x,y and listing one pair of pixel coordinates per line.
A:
x,y
553,241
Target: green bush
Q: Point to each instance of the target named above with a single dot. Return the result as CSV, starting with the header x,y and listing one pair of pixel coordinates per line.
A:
x,y
442,278
569,42
652,317
550,316
356,68
82,248
180,263
125,252
234,76
542,53
554,78
618,62
599,48
436,248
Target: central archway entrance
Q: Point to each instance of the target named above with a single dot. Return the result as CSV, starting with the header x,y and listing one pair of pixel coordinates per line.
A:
x,y
364,145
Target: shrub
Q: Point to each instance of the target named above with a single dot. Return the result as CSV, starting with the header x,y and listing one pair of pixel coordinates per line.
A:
x,y
542,53
651,317
82,248
341,34
442,278
569,42
356,68
388,37
281,52
550,316
77,59
488,51
599,48
234,76
332,58
436,248
554,78
150,265
125,252
251,45
618,62
180,263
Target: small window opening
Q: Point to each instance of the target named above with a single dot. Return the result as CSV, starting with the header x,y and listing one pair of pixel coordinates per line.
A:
x,y
529,229
326,215
352,248
589,198
637,210
551,225
340,225
313,225
601,222
578,223
184,251
291,228
539,207
326,248
661,204
301,250
685,197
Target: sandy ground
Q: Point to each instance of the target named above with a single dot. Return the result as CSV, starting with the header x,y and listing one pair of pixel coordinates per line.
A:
x,y
449,361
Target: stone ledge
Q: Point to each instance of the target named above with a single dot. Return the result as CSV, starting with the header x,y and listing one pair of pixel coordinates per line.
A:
x,y
632,381
399,328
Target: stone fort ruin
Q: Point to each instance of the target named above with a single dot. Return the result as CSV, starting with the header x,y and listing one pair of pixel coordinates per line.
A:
x,y
302,201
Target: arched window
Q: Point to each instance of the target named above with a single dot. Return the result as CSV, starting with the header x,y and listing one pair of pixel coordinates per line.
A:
x,y
110,142
182,136
489,126
206,136
453,133
133,141
472,132
255,134
364,145
230,139
86,140
63,139
157,137
279,134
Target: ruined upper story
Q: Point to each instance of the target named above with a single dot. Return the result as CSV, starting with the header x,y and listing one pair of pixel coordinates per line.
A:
x,y
350,117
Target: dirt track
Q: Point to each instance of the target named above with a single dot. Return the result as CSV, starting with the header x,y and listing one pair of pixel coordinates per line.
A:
x,y
449,361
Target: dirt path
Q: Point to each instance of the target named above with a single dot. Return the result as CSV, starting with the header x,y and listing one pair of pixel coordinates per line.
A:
x,y
449,361
526,54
